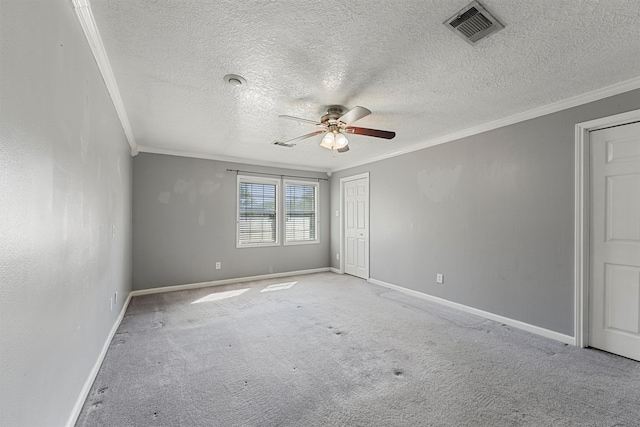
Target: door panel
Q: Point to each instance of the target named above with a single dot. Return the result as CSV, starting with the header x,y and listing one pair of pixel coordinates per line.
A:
x,y
351,252
350,214
614,311
622,216
361,254
361,215
622,293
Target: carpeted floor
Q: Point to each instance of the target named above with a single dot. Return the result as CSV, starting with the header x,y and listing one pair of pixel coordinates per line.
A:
x,y
333,350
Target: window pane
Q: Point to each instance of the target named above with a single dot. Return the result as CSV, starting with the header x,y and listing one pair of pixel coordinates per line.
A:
x,y
300,204
257,221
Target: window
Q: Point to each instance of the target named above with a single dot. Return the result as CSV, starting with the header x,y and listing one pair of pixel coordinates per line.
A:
x,y
257,211
259,220
301,212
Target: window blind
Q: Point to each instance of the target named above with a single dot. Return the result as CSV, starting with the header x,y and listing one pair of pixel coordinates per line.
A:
x,y
300,211
257,222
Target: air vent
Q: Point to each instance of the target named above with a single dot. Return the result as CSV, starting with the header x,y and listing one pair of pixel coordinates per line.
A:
x,y
473,23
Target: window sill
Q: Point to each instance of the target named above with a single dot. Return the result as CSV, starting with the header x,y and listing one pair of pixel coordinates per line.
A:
x,y
257,245
302,242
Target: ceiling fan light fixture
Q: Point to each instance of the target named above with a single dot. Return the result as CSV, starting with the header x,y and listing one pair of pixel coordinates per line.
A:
x,y
328,141
341,141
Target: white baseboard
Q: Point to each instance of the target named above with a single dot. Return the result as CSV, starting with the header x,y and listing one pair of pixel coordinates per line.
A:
x,y
77,408
491,316
224,282
335,270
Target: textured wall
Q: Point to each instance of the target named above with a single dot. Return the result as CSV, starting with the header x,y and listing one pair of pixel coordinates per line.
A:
x,y
65,182
492,212
184,214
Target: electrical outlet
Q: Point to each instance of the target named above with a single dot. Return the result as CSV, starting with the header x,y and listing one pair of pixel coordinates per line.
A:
x,y
218,265
338,257
440,278
337,213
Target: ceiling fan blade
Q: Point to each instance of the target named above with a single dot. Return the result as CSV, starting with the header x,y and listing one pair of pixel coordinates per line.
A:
x,y
298,119
283,144
343,149
356,113
309,135
371,132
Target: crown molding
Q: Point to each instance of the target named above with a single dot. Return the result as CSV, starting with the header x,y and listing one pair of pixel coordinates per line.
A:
x,y
575,101
88,23
195,155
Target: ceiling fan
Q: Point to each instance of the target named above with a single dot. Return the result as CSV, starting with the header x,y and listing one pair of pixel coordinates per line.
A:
x,y
335,124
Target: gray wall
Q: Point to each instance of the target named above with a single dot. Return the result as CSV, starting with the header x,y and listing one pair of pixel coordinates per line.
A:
x,y
492,212
65,180
184,214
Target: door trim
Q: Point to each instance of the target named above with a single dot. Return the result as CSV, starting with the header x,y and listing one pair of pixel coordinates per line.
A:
x,y
342,210
581,218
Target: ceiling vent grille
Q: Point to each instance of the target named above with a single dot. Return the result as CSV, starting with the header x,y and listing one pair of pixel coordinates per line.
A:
x,y
473,23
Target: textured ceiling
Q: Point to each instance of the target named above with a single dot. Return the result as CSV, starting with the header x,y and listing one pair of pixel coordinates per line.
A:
x,y
392,57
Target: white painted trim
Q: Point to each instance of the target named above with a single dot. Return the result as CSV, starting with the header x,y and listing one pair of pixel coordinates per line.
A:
x,y
354,177
335,270
225,282
581,217
615,120
575,101
195,155
341,228
88,23
77,408
487,315
581,235
342,210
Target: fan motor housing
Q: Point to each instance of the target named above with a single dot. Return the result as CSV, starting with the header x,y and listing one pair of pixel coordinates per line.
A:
x,y
333,113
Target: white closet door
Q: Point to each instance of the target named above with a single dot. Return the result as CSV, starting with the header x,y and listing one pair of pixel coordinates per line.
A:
x,y
614,318
356,244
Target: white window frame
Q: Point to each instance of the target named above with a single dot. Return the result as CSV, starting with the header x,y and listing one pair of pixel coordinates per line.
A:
x,y
259,180
316,186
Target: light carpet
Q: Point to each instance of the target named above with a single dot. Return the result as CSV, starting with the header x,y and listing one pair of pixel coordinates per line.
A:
x,y
331,350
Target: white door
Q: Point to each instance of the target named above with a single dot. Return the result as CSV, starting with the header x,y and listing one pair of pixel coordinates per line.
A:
x,y
356,227
614,317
